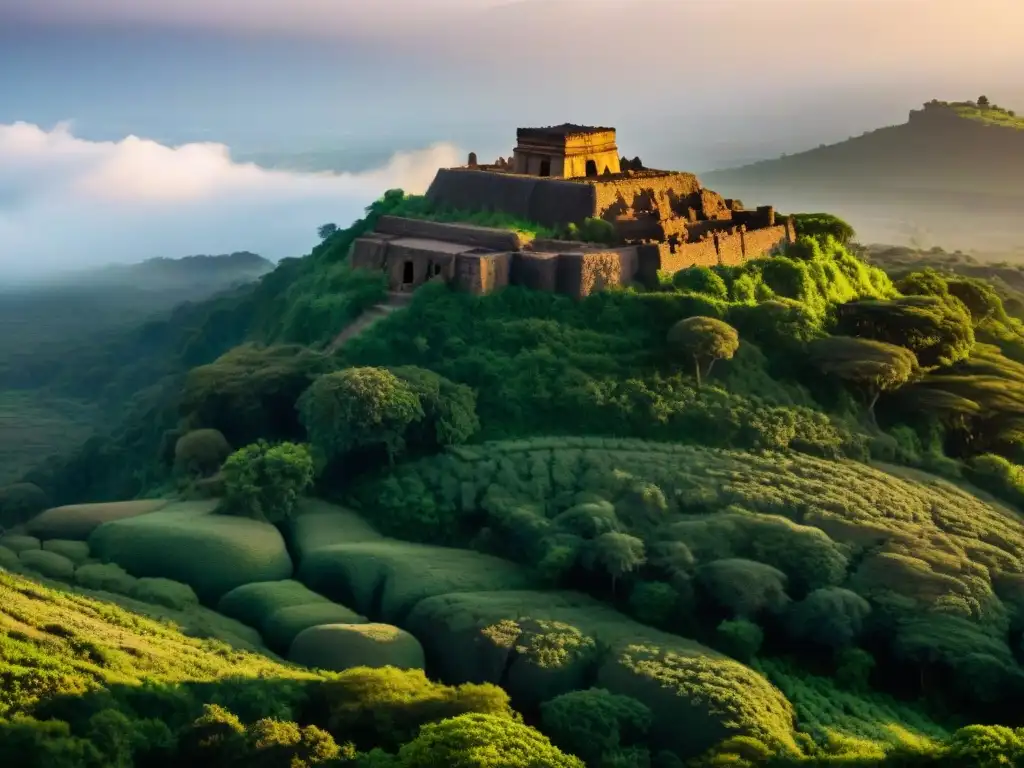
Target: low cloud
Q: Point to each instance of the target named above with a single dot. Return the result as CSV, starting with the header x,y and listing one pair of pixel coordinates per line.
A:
x,y
67,203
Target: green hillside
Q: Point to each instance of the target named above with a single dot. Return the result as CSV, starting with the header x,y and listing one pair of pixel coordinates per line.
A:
x,y
764,515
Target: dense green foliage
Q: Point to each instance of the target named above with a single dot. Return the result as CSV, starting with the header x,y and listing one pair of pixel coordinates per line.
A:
x,y
91,685
680,568
264,481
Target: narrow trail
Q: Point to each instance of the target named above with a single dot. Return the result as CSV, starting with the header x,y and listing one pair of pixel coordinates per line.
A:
x,y
395,301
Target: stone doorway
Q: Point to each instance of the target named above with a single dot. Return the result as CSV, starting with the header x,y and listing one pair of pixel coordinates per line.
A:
x,y
545,167
591,168
408,273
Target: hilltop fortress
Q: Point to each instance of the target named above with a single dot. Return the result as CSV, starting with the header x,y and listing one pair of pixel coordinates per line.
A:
x,y
556,177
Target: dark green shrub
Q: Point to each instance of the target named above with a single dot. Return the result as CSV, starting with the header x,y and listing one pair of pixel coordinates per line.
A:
x,y
594,724
701,280
739,638
201,452
265,482
357,408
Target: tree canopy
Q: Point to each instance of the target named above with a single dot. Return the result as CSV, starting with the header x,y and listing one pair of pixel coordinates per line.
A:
x,y
704,340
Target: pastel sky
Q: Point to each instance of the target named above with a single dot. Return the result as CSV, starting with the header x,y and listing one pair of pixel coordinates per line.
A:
x,y
690,84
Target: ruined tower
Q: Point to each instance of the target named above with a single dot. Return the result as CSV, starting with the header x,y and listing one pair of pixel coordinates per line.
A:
x,y
566,151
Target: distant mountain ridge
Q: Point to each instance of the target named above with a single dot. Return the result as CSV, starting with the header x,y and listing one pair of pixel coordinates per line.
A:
x,y
949,161
224,270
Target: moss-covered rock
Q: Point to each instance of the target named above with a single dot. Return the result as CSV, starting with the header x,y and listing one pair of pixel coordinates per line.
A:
x,y
542,644
171,594
78,521
343,646
387,578
319,524
211,553
75,551
255,603
49,564
9,559
16,543
282,626
106,577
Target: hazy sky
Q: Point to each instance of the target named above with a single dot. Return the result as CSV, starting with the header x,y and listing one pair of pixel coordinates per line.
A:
x,y
690,84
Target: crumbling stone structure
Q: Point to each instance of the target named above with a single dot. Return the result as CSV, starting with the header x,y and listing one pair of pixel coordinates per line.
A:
x,y
663,220
566,151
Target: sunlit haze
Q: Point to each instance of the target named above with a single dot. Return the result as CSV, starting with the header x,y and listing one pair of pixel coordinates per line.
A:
x,y
689,85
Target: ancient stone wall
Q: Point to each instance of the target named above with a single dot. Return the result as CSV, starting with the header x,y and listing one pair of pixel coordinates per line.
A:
x,y
550,202
699,230
730,248
480,273
464,234
406,261
764,216
662,193
700,254
537,271
583,273
762,242
369,252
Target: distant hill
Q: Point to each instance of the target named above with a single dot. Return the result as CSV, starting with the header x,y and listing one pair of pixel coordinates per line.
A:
x,y
208,272
951,175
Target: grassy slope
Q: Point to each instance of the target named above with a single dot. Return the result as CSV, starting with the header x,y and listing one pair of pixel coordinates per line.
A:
x,y
53,641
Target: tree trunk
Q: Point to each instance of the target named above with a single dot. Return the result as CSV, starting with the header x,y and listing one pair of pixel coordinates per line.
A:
x,y
871,408
707,373
696,370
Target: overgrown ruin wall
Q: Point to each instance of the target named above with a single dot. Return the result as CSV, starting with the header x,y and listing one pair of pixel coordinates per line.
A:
x,y
549,202
762,242
664,193
482,273
583,273
730,248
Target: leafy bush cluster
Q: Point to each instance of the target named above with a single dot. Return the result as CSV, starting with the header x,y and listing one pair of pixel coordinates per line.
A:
x,y
89,684
822,555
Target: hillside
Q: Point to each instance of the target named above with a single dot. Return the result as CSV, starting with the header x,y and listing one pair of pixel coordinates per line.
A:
x,y
67,345
950,175
762,515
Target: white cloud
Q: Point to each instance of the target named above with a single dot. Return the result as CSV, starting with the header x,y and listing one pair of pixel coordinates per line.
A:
x,y
69,203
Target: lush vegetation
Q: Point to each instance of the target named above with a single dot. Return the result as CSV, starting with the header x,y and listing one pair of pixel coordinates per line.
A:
x,y
699,522
984,111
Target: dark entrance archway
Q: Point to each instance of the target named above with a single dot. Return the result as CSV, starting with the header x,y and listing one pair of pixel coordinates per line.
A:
x,y
408,275
545,167
591,168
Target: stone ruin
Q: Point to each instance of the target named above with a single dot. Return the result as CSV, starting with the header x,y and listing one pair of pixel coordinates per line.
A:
x,y
663,221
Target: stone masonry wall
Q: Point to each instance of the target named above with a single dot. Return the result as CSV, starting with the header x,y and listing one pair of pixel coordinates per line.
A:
x,y
641,194
369,253
730,248
464,234
482,273
700,254
762,242
550,202
536,271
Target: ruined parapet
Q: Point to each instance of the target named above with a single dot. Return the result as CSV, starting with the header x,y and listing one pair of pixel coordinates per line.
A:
x,y
758,243
463,234
549,202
